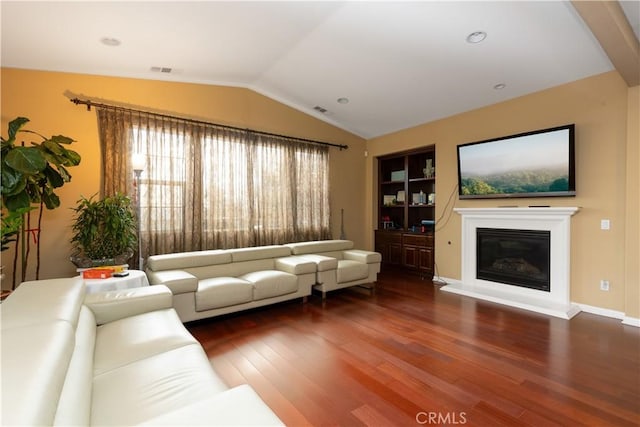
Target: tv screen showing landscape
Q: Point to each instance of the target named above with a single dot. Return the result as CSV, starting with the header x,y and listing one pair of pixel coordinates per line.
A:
x,y
532,164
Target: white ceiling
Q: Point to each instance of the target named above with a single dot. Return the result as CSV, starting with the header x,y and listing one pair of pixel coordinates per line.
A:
x,y
399,63
631,9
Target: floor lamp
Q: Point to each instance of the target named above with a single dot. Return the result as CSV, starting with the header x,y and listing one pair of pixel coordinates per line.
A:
x,y
137,162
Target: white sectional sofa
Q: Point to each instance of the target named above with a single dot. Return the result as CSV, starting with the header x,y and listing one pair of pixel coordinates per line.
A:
x,y
113,358
338,265
211,283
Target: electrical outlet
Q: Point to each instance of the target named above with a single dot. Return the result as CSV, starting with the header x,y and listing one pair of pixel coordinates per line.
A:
x,y
604,285
605,224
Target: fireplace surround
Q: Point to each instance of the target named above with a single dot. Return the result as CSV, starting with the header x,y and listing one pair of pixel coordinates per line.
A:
x,y
556,221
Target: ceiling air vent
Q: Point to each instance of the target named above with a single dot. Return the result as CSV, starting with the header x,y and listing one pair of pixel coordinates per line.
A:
x,y
161,69
320,109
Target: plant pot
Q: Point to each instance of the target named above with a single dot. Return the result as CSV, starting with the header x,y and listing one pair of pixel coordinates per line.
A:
x,y
81,261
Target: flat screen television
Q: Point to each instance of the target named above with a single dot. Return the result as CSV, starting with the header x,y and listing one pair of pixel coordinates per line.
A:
x,y
532,164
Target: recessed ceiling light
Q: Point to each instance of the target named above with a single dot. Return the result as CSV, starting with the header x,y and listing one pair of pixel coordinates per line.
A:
x,y
476,37
110,41
500,86
343,100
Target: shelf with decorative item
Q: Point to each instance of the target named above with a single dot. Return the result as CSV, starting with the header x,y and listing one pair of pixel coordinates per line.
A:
x,y
406,209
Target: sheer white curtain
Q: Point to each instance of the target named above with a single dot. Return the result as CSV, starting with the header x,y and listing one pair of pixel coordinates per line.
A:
x,y
209,187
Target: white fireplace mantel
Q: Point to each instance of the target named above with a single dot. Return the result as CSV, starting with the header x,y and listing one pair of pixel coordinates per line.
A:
x,y
515,212
556,220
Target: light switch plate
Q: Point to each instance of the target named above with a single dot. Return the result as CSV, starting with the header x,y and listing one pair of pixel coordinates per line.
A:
x,y
605,224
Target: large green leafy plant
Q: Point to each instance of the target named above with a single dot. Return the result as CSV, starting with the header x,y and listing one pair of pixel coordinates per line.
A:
x,y
10,226
30,174
104,231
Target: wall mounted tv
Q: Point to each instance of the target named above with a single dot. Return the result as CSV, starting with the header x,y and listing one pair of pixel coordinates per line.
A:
x,y
532,164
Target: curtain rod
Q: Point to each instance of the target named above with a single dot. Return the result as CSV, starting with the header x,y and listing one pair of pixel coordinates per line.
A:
x,y
90,104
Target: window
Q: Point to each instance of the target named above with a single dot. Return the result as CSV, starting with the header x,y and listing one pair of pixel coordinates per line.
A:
x,y
162,188
207,187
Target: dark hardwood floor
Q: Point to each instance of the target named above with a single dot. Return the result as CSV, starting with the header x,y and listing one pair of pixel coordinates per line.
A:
x,y
414,355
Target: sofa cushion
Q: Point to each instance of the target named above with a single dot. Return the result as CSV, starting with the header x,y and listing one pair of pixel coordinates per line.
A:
x,y
34,365
228,408
74,406
349,271
296,265
44,300
259,252
154,386
134,338
115,305
319,246
323,263
178,281
183,260
271,283
366,257
222,292
233,269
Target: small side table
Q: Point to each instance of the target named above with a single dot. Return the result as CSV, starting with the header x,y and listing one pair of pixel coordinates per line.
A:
x,y
135,279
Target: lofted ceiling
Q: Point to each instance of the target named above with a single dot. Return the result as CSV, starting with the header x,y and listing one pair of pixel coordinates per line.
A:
x,y
398,63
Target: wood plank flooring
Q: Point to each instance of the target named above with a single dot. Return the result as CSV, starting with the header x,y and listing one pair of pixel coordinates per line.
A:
x,y
413,355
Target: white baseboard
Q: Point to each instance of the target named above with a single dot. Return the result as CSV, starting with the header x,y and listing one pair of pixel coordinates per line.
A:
x,y
601,311
631,321
445,280
626,320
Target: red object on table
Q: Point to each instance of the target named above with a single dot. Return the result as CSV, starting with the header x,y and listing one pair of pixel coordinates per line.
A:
x,y
97,273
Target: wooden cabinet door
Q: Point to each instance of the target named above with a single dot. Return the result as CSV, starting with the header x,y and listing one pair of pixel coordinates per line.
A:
x,y
410,256
383,249
426,260
395,253
389,244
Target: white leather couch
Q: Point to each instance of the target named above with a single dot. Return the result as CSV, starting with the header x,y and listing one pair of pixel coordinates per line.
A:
x,y
114,358
338,265
216,282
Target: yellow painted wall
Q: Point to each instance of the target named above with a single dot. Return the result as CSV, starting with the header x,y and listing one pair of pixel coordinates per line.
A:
x,y
598,106
632,231
604,110
43,97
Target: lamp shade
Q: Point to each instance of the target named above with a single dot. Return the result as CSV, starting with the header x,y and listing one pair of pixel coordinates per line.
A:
x,y
137,162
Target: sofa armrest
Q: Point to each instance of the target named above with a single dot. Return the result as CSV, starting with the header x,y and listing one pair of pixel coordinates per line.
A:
x,y
178,281
323,263
365,257
295,265
115,305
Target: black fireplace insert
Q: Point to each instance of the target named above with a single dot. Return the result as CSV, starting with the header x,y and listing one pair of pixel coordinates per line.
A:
x,y
514,257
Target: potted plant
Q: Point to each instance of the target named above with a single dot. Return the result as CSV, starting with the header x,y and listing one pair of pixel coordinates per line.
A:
x,y
30,176
10,226
11,223
104,231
